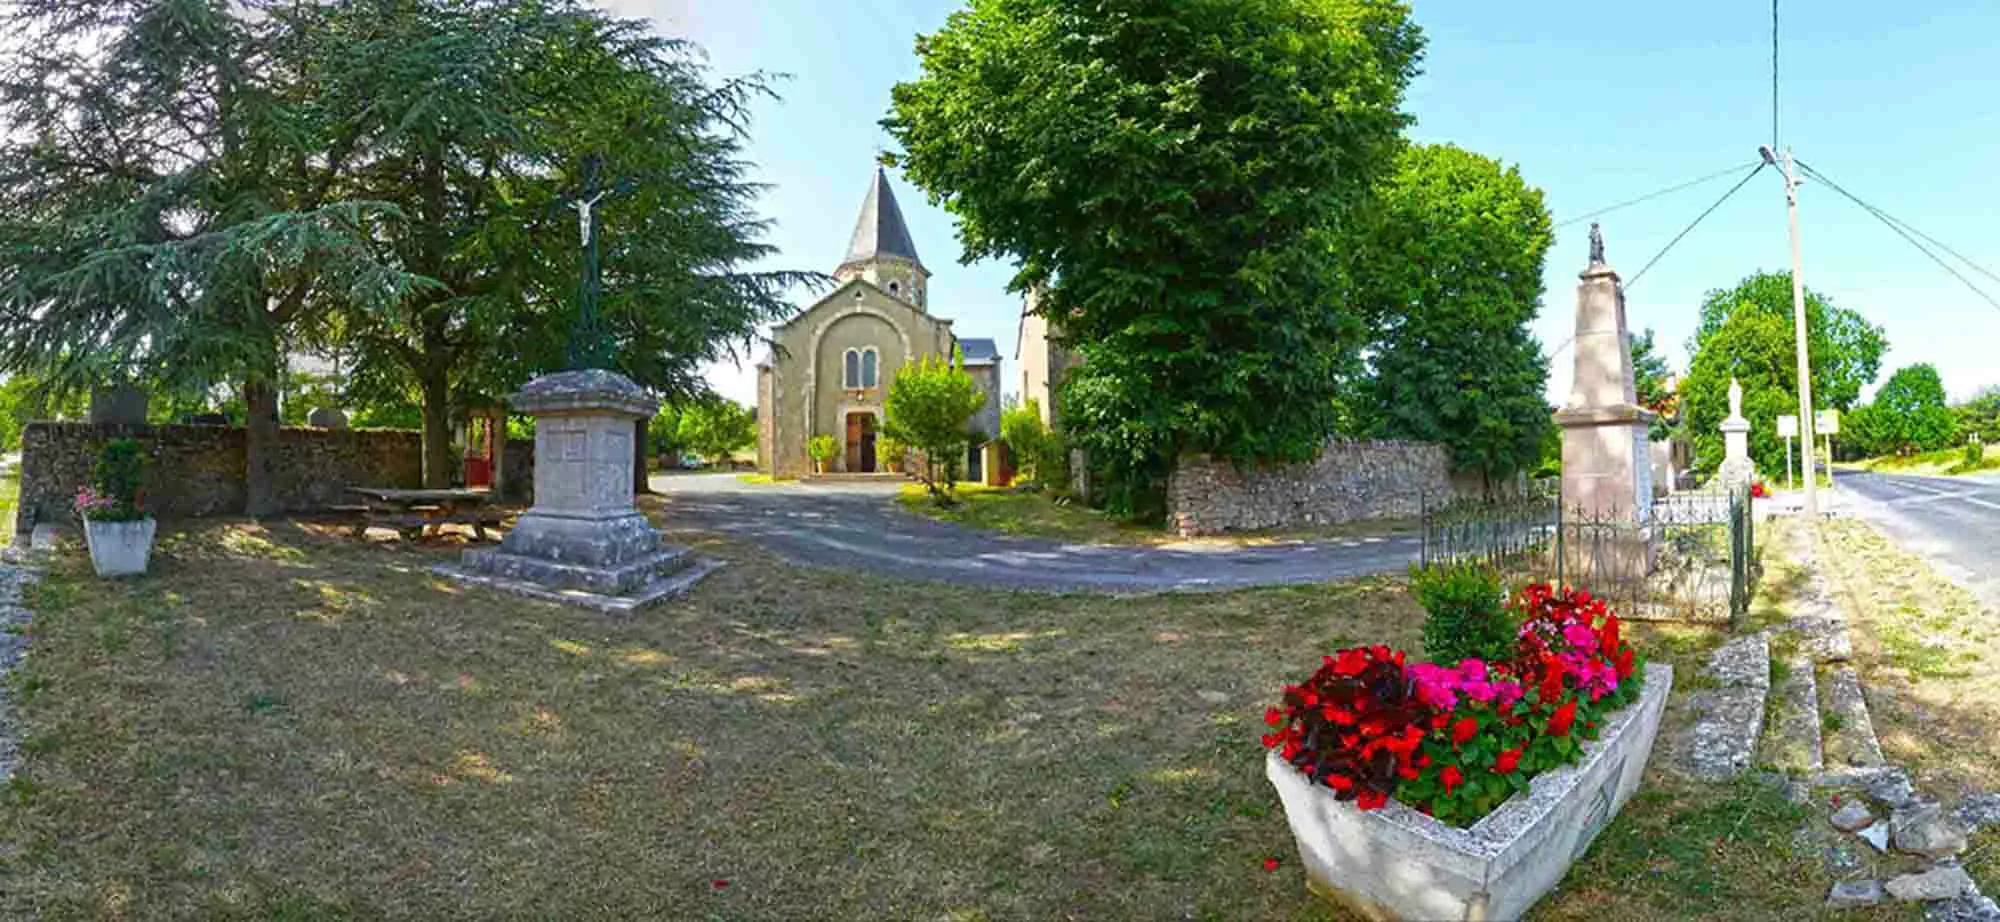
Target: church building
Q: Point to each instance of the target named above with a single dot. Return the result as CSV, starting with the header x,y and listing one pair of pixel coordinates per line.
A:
x,y
830,366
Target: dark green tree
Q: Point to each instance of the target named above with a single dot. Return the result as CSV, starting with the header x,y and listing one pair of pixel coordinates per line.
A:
x,y
1911,407
477,118
1452,266
1747,332
1179,177
168,210
1651,377
1981,415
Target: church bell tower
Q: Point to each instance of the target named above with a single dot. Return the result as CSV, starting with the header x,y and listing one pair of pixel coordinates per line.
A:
x,y
882,252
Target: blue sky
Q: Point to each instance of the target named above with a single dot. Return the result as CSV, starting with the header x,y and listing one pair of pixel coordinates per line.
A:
x,y
1596,102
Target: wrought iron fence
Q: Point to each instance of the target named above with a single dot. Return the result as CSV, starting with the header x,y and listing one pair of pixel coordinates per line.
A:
x,y
1692,558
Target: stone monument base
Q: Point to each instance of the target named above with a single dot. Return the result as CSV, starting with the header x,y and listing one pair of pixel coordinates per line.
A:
x,y
613,564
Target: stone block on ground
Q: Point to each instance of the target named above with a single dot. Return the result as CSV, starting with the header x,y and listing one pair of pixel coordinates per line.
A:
x,y
1852,816
1855,894
1794,742
1943,882
1729,717
1926,829
1980,811
1970,907
1851,739
1876,834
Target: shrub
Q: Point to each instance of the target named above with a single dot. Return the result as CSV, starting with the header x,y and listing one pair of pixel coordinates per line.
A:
x,y
115,494
1975,454
1457,741
823,448
1466,613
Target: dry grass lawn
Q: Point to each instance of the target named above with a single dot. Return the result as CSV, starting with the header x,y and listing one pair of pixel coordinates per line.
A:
x,y
282,723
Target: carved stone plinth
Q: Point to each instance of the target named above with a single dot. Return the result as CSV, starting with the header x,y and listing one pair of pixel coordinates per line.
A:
x,y
584,541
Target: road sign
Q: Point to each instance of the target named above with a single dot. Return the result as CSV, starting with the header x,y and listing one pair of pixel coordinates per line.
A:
x,y
1827,422
1788,427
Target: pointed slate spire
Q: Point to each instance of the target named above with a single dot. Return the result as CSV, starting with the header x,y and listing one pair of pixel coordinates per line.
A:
x,y
880,231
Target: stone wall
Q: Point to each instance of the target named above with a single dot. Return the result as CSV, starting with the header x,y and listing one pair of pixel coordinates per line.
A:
x,y
198,470
1352,481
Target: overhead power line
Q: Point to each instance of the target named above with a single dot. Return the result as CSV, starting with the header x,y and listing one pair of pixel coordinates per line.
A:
x,y
1774,74
1689,184
1696,222
1908,232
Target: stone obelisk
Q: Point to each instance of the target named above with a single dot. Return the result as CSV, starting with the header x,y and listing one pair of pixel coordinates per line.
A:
x,y
1606,469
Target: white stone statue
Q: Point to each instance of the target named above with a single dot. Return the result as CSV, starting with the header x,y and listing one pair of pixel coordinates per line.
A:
x,y
1735,399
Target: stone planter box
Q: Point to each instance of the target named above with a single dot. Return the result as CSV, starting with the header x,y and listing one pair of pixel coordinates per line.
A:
x,y
1396,863
119,548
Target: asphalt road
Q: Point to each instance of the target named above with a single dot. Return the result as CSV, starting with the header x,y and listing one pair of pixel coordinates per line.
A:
x,y
859,526
1955,521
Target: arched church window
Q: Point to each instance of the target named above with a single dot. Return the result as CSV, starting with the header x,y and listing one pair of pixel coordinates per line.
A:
x,y
851,369
869,361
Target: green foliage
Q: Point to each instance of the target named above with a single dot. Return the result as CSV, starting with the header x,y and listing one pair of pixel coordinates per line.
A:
x,y
1452,265
1981,415
1466,616
663,434
1747,332
930,408
1177,178
1975,454
120,478
1038,452
890,455
716,428
823,448
1650,377
1910,413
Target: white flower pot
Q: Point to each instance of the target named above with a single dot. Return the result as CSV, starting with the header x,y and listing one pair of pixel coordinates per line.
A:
x,y
1396,863
119,548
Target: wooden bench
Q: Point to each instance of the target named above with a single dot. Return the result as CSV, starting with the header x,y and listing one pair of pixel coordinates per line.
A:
x,y
417,513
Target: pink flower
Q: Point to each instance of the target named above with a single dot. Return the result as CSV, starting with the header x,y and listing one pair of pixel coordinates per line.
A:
x,y
1580,637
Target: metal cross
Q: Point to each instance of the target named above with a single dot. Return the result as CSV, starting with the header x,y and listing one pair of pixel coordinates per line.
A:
x,y
589,342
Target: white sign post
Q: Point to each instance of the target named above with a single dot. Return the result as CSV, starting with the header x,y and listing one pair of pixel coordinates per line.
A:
x,y
1788,429
1827,423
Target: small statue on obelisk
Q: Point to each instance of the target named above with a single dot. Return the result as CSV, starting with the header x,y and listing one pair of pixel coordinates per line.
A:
x,y
1596,245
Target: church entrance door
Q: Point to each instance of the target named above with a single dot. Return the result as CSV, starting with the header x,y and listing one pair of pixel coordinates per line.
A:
x,y
861,442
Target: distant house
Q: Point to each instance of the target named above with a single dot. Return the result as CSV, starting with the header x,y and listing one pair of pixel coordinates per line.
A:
x,y
831,365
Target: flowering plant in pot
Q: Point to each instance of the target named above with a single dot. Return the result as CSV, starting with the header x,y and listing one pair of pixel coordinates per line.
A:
x,y
115,523
1372,729
822,449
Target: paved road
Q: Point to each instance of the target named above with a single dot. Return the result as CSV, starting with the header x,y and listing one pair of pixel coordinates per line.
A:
x,y
859,526
1955,521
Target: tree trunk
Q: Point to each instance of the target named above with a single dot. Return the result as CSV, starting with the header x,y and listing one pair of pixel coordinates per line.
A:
x,y
438,462
260,448
641,477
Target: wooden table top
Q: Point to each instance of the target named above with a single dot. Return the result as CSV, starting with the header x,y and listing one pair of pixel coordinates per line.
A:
x,y
421,497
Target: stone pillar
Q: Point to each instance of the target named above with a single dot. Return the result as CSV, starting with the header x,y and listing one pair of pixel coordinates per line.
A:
x,y
1606,468
584,541
1737,469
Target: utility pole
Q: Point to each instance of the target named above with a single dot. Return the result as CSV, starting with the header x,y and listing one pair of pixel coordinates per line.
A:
x,y
1799,332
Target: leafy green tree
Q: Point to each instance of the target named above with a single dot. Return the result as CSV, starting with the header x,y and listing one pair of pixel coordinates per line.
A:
x,y
169,213
1747,332
1981,415
716,428
1911,404
477,120
930,408
663,434
1178,177
1037,451
1452,264
1651,377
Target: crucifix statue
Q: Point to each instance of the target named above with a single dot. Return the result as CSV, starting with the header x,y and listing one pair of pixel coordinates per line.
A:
x,y
589,342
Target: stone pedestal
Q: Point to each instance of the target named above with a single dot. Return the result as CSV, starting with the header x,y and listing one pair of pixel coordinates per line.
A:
x,y
1607,464
584,541
1737,469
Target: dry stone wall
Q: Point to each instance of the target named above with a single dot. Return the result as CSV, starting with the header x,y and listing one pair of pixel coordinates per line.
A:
x,y
198,470
1352,481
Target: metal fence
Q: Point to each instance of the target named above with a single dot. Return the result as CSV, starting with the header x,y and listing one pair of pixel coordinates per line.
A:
x,y
1692,558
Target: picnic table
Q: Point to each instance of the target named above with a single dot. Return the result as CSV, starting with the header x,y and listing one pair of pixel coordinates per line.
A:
x,y
415,513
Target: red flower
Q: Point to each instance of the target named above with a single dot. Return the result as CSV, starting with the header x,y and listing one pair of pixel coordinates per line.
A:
x,y
1624,663
1507,762
1463,731
1272,717
1608,636
718,883
1269,741
1552,681
1270,864
1370,800
1451,778
1563,717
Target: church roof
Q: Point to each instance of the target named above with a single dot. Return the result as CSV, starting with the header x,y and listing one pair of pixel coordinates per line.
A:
x,y
979,351
880,231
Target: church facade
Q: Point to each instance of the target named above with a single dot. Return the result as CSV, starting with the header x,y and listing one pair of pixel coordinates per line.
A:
x,y
830,366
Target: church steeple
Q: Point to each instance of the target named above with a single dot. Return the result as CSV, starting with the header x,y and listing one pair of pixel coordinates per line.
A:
x,y
881,250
